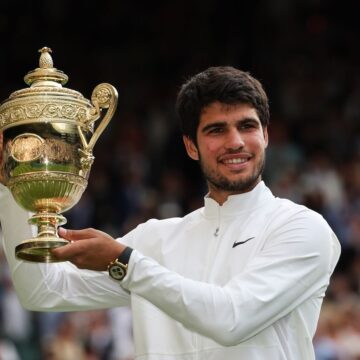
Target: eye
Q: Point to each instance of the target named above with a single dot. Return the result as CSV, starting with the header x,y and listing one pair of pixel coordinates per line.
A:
x,y
215,130
248,125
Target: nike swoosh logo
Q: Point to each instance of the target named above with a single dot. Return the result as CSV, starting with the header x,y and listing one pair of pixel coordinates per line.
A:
x,y
236,243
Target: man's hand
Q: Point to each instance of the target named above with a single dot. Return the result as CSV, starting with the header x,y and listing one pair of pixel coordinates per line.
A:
x,y
88,249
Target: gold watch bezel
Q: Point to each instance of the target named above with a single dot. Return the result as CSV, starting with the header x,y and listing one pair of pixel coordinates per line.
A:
x,y
117,265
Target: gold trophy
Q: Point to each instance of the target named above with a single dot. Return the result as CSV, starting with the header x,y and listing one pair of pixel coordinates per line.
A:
x,y
49,136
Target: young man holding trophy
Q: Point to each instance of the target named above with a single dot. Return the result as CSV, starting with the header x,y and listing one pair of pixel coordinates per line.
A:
x,y
241,278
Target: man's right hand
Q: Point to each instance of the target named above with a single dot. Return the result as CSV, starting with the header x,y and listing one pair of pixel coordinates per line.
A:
x,y
88,249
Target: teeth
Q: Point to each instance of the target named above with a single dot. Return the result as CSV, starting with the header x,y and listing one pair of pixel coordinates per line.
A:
x,y
235,161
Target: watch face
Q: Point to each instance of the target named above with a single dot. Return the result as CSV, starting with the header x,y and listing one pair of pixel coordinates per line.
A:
x,y
117,271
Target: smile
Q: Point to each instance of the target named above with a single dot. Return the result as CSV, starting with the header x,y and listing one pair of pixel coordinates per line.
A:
x,y
235,161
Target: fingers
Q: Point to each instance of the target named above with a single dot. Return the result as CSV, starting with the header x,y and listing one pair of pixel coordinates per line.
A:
x,y
73,249
89,253
66,252
73,235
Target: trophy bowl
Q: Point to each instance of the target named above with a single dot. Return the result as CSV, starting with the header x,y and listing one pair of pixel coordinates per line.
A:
x,y
48,139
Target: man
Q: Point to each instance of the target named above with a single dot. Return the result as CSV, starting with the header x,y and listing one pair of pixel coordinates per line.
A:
x,y
241,278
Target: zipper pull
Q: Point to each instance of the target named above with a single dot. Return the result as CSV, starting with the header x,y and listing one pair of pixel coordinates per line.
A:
x,y
216,233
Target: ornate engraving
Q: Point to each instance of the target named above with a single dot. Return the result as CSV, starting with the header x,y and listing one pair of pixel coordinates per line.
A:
x,y
54,91
86,159
26,147
103,95
46,176
35,111
59,191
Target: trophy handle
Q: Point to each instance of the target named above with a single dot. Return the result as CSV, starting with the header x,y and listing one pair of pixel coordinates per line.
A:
x,y
104,96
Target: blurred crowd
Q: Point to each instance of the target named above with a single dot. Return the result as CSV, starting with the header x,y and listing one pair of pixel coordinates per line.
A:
x,y
307,55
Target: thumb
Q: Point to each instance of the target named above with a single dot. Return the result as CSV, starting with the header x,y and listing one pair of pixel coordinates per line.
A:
x,y
62,232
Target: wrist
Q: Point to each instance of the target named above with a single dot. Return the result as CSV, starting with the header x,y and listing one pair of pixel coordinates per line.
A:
x,y
118,268
124,257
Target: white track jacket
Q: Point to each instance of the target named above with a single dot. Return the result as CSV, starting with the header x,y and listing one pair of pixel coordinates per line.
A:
x,y
244,280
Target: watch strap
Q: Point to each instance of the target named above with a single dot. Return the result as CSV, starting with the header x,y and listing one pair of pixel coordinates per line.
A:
x,y
118,268
124,257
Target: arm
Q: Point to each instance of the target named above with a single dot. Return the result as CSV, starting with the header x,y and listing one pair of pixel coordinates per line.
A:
x,y
52,287
294,266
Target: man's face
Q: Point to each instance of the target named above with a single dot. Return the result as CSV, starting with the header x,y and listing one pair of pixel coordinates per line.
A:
x,y
230,147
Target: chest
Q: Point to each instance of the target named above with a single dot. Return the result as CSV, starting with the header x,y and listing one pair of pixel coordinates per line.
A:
x,y
212,250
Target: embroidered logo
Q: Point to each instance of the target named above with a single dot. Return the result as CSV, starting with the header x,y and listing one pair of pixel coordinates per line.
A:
x,y
236,243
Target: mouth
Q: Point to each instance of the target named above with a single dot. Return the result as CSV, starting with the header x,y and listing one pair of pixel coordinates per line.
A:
x,y
235,162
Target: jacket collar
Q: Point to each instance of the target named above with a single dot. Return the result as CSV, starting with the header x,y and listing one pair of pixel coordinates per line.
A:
x,y
236,204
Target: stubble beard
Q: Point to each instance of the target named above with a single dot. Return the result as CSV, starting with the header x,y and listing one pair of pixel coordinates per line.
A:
x,y
221,183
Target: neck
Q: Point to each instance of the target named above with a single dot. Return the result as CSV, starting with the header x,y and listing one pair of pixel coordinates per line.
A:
x,y
221,195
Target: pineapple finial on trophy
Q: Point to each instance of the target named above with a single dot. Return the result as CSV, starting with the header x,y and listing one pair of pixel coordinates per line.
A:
x,y
45,61
46,74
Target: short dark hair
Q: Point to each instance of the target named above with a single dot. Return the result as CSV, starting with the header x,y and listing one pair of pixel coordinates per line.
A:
x,y
224,84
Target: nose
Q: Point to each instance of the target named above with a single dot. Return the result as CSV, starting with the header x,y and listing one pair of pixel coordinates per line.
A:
x,y
234,140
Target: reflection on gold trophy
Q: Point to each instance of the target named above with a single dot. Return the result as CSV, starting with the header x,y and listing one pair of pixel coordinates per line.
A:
x,y
48,141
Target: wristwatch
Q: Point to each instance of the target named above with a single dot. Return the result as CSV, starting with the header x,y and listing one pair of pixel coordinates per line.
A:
x,y
118,268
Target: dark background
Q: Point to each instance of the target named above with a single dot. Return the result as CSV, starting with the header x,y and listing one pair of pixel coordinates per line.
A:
x,y
306,54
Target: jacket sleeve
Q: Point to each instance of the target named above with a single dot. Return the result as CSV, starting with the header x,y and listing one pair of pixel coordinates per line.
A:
x,y
55,286
295,265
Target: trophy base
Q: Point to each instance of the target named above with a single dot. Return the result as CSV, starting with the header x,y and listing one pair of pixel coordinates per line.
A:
x,y
39,249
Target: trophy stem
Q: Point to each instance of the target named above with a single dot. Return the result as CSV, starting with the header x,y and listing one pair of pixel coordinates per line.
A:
x,y
38,249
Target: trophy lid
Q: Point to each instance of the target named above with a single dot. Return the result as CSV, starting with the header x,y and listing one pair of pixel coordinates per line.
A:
x,y
46,71
46,100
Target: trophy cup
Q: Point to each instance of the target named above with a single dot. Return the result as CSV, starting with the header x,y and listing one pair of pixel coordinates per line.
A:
x,y
49,136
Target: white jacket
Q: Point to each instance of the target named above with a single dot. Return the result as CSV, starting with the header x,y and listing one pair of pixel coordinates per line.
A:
x,y
244,280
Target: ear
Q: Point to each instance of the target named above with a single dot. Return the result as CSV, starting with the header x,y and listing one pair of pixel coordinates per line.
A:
x,y
191,148
266,136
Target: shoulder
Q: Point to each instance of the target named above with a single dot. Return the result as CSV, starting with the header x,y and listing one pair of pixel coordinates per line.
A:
x,y
280,215
296,214
289,216
283,210
303,229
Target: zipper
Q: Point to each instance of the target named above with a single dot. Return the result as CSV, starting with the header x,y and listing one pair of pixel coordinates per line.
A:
x,y
213,246
217,230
